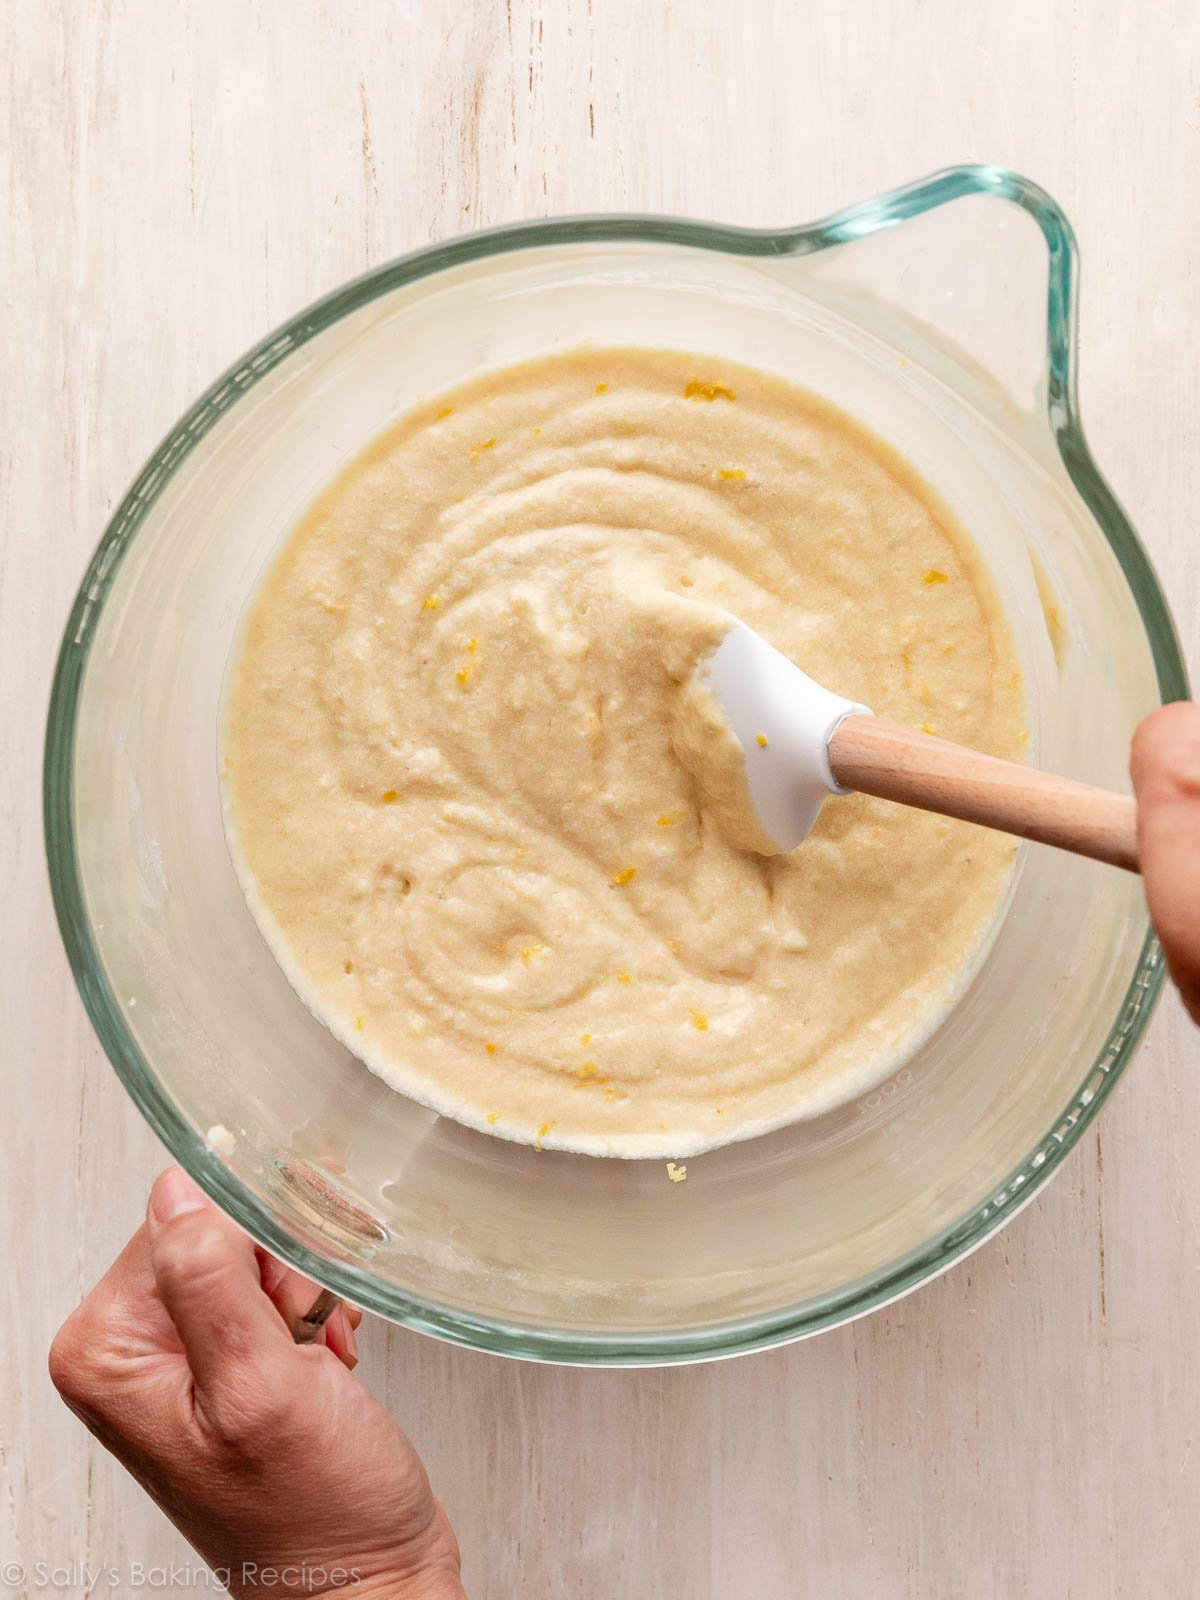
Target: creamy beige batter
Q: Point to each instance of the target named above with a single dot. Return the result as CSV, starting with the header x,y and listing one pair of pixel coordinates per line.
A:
x,y
461,778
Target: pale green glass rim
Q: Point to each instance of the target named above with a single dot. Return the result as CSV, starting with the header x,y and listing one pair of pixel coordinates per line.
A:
x,y
531,1341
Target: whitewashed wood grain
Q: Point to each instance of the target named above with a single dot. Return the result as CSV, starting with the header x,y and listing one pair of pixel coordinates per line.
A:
x,y
174,179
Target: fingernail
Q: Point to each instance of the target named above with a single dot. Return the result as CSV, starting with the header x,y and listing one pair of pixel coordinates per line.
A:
x,y
174,1194
351,1342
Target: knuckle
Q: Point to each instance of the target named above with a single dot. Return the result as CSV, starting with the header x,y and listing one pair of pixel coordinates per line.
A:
x,y
193,1250
62,1360
74,1366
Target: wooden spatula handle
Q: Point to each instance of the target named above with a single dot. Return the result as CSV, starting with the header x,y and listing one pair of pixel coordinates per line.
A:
x,y
897,763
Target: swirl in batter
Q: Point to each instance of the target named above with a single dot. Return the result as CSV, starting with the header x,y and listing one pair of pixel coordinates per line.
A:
x,y
466,813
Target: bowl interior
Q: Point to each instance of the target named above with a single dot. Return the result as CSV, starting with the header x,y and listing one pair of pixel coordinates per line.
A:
x,y
448,1229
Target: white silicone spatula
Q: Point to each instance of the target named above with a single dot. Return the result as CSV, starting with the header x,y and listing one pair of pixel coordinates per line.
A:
x,y
802,743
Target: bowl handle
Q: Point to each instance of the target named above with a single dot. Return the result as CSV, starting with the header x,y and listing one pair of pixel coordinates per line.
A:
x,y
970,272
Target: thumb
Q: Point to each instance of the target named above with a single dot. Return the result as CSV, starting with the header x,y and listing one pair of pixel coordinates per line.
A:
x,y
206,1274
1165,766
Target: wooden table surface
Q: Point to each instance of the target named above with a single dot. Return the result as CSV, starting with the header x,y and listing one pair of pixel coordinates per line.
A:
x,y
177,178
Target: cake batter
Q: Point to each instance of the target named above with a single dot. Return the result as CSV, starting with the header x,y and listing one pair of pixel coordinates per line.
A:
x,y
461,780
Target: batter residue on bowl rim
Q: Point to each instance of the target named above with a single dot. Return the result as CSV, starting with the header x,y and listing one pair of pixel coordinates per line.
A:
x,y
462,801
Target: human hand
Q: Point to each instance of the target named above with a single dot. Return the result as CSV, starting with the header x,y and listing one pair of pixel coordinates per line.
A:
x,y
276,1464
1165,767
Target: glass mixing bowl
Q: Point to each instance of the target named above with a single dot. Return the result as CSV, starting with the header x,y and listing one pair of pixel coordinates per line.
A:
x,y
943,315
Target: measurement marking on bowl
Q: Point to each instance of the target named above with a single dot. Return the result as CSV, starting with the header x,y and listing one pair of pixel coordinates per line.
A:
x,y
324,1206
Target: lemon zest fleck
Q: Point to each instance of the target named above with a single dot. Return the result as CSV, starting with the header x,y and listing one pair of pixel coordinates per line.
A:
x,y
610,1094
668,819
472,645
389,797
462,675
601,388
484,444
347,966
585,1038
934,576
699,1020
731,475
490,1048
676,1174
761,740
541,1134
431,602
529,951
358,1022
444,413
493,1117
626,875
707,391
926,727
623,977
